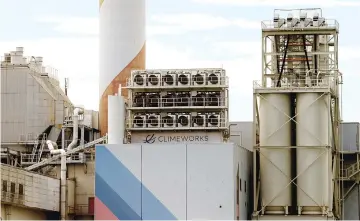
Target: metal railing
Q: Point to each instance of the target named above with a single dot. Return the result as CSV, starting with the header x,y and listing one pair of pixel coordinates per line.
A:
x,y
191,123
289,82
349,172
178,101
221,82
30,159
75,150
329,24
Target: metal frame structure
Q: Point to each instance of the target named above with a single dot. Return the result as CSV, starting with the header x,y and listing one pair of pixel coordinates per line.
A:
x,y
157,83
300,56
70,152
350,175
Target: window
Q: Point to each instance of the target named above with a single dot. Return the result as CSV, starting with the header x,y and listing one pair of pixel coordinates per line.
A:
x,y
4,186
12,187
21,189
240,185
245,185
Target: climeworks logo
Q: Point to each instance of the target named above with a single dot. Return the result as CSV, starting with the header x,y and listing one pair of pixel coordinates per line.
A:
x,y
151,138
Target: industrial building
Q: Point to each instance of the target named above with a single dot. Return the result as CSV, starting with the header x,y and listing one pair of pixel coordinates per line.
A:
x,y
35,109
297,109
167,135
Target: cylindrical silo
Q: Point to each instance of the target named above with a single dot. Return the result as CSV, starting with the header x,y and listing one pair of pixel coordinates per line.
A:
x,y
122,48
275,164
312,132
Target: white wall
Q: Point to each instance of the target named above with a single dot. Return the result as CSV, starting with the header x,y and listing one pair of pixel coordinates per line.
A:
x,y
167,183
193,181
211,181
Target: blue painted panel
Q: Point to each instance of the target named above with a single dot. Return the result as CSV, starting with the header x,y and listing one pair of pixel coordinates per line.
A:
x,y
114,178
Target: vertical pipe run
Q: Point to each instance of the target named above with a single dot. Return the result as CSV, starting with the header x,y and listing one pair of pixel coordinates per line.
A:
x,y
283,61
75,118
62,177
63,186
293,152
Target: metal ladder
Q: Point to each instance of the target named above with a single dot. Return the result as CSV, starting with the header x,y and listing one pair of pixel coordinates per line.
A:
x,y
35,152
43,143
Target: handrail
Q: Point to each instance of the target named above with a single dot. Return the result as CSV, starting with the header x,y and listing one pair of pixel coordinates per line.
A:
x,y
351,171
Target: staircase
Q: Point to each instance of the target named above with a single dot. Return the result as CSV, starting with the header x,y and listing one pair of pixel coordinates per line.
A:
x,y
351,171
37,151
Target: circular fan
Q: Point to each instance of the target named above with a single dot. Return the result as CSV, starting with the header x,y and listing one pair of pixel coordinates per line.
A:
x,y
139,80
168,79
168,121
168,100
138,101
183,100
153,80
138,121
184,121
153,121
213,78
183,79
199,120
213,100
199,79
153,101
199,100
213,120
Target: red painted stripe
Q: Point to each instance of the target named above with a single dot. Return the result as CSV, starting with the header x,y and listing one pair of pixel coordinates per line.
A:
x,y
102,212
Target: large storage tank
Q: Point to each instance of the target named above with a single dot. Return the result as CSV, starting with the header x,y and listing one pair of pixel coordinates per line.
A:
x,y
313,124
122,48
275,164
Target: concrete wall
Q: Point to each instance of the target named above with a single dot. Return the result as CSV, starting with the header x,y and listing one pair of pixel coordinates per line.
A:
x,y
9,212
177,181
20,187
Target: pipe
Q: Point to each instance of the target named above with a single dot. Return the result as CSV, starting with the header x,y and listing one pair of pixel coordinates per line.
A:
x,y
76,114
62,177
63,186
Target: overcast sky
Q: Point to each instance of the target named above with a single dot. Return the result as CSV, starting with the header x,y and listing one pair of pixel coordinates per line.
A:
x,y
180,34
